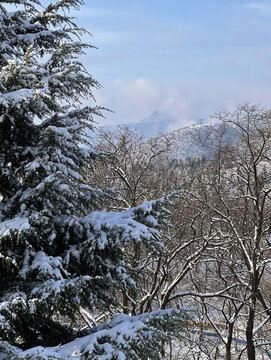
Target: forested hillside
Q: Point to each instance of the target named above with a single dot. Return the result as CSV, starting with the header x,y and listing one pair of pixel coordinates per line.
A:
x,y
216,262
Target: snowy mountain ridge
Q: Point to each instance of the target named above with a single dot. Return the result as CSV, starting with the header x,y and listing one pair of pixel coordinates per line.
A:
x,y
187,142
198,141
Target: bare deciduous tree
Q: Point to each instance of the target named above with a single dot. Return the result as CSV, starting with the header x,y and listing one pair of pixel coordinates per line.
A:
x,y
233,197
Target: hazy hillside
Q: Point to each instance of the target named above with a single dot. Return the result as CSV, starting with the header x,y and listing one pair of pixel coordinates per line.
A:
x,y
198,140
187,142
156,124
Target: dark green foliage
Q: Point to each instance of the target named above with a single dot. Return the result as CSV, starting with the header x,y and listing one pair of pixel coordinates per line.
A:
x,y
58,250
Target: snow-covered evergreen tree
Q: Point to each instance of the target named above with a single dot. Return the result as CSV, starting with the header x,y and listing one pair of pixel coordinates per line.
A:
x,y
59,251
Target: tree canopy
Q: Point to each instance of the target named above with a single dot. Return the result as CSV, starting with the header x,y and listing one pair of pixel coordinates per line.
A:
x,y
59,251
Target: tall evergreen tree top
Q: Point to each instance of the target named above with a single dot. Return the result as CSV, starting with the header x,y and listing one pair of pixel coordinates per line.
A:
x,y
58,250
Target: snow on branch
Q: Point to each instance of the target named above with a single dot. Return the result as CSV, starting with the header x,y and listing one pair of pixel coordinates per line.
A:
x,y
124,338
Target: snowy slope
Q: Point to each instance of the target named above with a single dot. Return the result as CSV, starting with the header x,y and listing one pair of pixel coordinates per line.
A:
x,y
198,140
187,142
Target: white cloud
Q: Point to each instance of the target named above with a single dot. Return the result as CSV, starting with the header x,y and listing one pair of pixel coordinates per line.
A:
x,y
141,91
259,6
134,100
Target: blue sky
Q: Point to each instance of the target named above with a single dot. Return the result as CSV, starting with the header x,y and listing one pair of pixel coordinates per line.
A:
x,y
187,58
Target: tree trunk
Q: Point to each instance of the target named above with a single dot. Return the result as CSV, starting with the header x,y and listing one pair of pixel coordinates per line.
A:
x,y
249,333
229,342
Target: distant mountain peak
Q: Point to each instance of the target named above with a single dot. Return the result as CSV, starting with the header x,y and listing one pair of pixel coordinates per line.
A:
x,y
158,116
155,113
156,124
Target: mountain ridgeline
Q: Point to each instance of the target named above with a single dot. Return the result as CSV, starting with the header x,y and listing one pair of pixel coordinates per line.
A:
x,y
190,142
